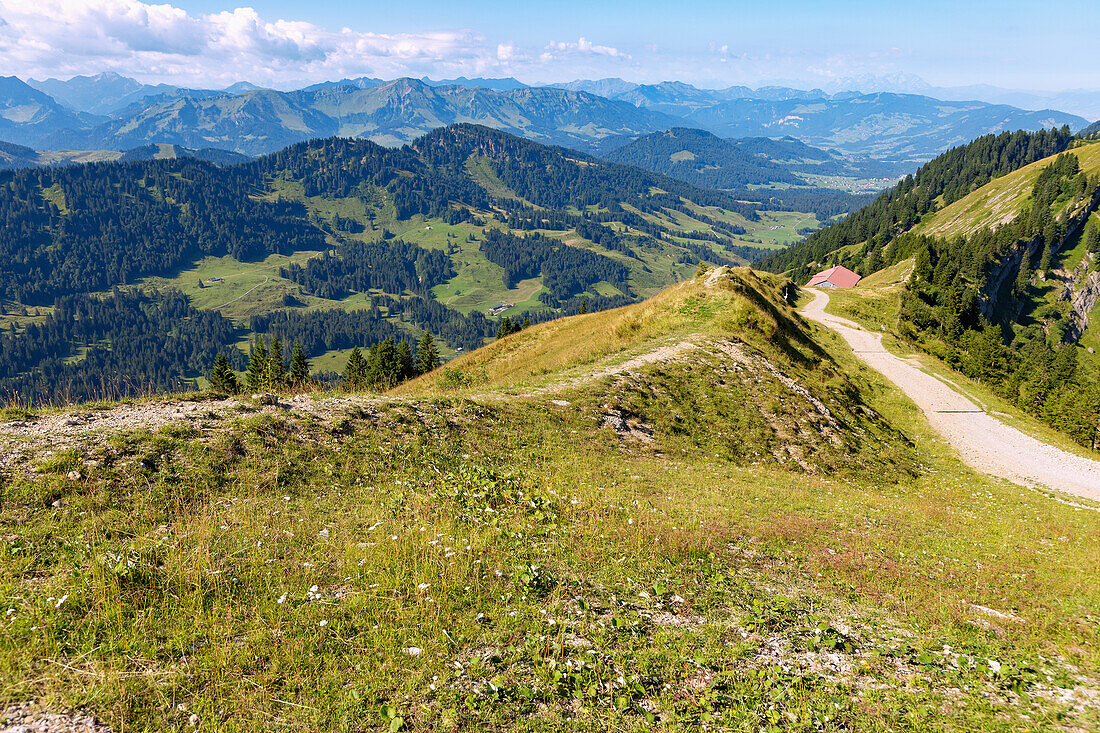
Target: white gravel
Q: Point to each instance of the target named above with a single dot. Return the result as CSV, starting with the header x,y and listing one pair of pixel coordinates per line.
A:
x,y
984,442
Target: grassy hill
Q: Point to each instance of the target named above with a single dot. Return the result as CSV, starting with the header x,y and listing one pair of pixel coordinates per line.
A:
x,y
694,512
1000,201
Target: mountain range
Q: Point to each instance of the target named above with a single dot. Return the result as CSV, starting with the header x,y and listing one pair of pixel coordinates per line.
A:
x,y
115,113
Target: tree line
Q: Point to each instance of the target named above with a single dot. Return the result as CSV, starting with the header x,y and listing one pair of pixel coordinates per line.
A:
x,y
960,306
939,182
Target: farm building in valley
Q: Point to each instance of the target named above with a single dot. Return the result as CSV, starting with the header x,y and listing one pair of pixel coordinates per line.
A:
x,y
834,277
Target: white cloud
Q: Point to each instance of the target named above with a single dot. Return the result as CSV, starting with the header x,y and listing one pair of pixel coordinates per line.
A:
x,y
165,43
583,46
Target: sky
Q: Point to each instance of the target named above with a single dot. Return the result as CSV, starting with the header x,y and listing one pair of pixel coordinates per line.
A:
x,y
712,44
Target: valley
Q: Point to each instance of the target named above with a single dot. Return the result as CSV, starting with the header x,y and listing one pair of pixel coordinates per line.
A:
x,y
424,237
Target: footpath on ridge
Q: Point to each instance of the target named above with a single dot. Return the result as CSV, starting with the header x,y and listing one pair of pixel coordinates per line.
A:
x,y
984,442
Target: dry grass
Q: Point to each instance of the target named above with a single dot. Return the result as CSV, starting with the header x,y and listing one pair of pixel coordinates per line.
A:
x,y
568,346
513,565
999,201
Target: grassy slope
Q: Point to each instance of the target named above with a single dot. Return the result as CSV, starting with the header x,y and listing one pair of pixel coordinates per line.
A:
x,y
1000,200
609,582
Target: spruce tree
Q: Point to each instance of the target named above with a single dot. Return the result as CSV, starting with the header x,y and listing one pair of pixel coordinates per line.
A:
x,y
388,368
1092,238
584,307
427,356
257,365
526,323
923,269
1023,277
507,327
405,359
276,367
299,368
222,377
1044,260
354,372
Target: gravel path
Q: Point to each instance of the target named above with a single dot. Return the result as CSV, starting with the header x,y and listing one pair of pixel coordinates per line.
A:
x,y
983,441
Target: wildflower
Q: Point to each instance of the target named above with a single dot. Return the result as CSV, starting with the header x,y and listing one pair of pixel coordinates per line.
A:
x,y
424,586
322,623
413,651
282,598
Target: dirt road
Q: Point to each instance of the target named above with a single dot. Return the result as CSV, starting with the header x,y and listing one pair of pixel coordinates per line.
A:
x,y
983,441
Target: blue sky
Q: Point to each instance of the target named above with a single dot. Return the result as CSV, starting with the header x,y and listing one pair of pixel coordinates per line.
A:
x,y
281,43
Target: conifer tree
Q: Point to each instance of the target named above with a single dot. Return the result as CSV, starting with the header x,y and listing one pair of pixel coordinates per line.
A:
x,y
354,372
1023,277
405,360
257,365
385,367
923,270
427,356
507,327
1044,260
584,307
275,376
299,367
1092,238
222,377
526,323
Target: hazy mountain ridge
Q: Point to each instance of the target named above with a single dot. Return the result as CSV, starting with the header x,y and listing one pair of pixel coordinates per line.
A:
x,y
703,159
394,112
591,116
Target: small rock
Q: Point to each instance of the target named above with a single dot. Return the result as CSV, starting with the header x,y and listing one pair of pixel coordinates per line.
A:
x,y
413,651
560,403
57,504
71,422
193,720
74,475
266,398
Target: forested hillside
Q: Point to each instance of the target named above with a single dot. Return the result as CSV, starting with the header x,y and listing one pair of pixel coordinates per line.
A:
x,y
335,243
938,183
1004,238
701,158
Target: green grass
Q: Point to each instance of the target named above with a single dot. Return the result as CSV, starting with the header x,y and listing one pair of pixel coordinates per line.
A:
x,y
999,201
279,571
13,315
873,302
56,196
246,288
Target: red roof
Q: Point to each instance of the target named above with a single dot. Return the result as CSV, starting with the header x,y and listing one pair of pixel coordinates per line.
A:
x,y
838,277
